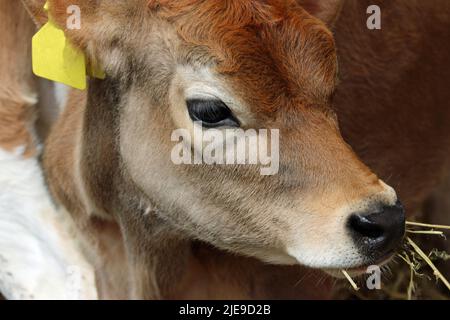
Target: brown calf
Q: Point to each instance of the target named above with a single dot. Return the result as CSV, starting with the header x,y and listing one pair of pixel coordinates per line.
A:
x,y
149,224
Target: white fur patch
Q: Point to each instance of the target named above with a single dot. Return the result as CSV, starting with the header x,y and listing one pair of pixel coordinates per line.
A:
x,y
39,258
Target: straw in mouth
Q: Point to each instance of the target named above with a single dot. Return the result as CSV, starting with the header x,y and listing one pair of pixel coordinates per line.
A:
x,y
350,280
416,259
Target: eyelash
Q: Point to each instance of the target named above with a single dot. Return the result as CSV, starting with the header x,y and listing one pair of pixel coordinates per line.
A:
x,y
212,113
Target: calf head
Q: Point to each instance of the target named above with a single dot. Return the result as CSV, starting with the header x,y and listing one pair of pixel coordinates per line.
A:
x,y
249,64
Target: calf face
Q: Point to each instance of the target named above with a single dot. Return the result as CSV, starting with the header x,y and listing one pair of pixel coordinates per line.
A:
x,y
247,64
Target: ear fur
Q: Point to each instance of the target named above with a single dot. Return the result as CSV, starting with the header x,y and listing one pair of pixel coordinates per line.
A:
x,y
36,10
326,10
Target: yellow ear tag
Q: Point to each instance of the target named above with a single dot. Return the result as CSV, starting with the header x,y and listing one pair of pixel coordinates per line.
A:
x,y
55,58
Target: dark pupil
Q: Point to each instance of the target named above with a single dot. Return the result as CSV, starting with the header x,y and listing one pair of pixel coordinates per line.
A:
x,y
212,113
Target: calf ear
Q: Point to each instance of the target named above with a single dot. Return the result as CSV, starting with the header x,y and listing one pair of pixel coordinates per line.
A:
x,y
63,11
36,10
326,10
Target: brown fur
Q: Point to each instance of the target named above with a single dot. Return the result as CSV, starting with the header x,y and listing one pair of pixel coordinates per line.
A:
x,y
36,10
288,86
392,103
249,48
17,90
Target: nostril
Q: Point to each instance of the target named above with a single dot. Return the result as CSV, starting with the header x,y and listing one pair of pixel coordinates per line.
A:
x,y
380,232
365,227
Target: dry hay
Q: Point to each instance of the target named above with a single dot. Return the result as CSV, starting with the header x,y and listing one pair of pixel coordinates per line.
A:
x,y
413,274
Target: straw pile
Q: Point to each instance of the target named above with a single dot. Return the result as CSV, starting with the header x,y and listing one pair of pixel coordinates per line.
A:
x,y
413,274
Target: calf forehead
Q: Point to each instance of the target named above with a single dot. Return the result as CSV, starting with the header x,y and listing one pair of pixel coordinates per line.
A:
x,y
271,52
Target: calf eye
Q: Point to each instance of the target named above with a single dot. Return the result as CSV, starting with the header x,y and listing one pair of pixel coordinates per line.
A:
x,y
212,113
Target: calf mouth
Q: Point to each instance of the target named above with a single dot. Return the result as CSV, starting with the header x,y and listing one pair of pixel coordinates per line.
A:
x,y
361,269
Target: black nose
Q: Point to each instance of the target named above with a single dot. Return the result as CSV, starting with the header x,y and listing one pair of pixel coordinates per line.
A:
x,y
378,233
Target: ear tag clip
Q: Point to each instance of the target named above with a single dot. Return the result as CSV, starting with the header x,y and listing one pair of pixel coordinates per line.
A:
x,y
56,59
